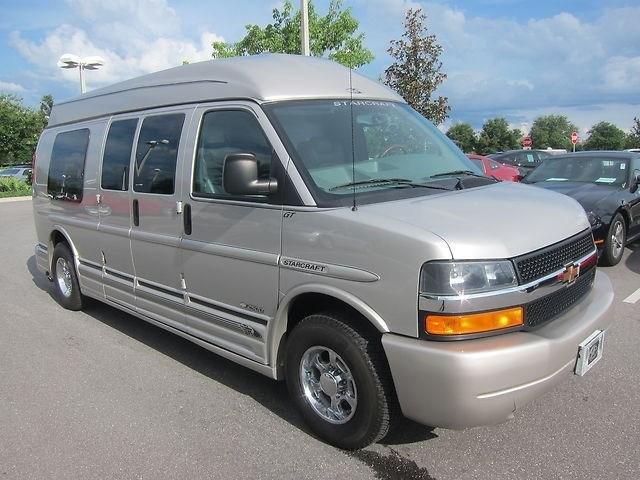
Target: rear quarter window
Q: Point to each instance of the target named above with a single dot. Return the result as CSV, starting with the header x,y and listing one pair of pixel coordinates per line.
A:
x,y
66,168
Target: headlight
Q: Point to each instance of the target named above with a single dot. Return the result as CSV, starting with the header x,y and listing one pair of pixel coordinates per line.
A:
x,y
459,278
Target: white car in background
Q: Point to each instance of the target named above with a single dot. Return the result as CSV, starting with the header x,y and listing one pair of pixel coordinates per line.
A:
x,y
20,172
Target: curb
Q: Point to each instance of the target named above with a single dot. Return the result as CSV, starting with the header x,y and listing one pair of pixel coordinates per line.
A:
x,y
15,199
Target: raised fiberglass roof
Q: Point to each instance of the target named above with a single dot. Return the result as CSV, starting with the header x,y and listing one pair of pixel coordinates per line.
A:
x,y
263,78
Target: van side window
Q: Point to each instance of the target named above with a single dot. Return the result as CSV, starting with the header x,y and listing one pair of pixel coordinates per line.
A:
x,y
156,154
66,169
224,132
117,155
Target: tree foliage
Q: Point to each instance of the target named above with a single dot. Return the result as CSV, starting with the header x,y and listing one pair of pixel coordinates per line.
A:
x,y
20,128
464,136
552,131
333,35
605,136
416,71
633,138
496,136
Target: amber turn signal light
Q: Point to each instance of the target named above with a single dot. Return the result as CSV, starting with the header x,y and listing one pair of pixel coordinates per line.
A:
x,y
473,322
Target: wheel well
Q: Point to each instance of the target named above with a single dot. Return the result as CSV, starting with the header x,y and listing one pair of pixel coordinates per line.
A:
x,y
627,218
57,237
310,303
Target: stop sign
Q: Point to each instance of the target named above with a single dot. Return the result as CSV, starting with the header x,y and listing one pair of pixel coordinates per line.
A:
x,y
527,142
574,137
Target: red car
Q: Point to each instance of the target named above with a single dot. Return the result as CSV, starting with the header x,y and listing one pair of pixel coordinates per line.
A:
x,y
491,168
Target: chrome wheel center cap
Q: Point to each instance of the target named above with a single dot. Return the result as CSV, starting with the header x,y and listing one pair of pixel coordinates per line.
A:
x,y
329,384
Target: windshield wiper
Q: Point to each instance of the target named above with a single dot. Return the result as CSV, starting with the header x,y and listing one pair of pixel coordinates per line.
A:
x,y
404,182
460,172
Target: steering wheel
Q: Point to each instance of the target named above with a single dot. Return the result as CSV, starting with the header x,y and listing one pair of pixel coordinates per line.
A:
x,y
392,148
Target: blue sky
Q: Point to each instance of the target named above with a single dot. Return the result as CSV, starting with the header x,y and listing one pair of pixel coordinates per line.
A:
x,y
511,58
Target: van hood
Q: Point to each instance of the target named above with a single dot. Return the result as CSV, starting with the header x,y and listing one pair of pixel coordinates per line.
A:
x,y
501,220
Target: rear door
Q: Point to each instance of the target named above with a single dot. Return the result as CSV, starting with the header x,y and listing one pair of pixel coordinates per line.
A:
x,y
156,221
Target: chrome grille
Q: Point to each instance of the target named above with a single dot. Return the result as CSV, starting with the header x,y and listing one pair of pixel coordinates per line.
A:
x,y
547,308
550,259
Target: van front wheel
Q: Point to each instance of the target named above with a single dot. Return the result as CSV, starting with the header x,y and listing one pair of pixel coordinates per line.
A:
x,y
65,279
339,379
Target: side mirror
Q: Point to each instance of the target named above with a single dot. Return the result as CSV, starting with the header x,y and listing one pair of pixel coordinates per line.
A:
x,y
635,181
240,176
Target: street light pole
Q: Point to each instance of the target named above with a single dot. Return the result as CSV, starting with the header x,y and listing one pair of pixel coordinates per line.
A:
x,y
304,27
88,63
83,87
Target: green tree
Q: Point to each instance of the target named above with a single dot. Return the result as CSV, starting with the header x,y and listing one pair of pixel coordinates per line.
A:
x,y
46,104
633,137
333,35
605,136
496,136
20,128
552,131
464,135
416,71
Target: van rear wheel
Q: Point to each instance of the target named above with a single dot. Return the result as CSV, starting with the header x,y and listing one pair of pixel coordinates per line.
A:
x,y
65,279
340,381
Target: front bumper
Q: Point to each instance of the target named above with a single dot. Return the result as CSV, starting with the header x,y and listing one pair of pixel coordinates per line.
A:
x,y
482,382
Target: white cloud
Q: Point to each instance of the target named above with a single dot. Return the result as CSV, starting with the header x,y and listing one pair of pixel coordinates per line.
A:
x,y
134,38
11,87
622,74
518,67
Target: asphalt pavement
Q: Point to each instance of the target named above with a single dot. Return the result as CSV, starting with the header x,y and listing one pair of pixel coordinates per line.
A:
x,y
101,394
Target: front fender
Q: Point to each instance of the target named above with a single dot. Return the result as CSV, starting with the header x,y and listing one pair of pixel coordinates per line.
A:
x,y
279,325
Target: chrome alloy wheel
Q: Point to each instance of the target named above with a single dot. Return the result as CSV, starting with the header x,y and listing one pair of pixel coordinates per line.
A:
x,y
617,239
63,277
328,385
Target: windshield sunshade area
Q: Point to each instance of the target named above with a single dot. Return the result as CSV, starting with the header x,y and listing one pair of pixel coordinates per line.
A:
x,y
390,151
601,170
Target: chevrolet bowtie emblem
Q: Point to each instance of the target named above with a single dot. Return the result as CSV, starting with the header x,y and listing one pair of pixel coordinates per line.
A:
x,y
571,272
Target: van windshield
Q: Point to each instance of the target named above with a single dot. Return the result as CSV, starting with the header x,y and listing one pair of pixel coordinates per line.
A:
x,y
395,150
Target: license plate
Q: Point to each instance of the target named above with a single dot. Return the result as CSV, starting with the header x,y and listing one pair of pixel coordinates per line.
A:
x,y
589,352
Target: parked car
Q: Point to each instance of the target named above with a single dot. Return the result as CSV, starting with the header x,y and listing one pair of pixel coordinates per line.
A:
x,y
495,169
606,185
524,160
19,172
321,231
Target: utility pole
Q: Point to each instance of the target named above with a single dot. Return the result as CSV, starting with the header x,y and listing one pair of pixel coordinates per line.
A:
x,y
304,27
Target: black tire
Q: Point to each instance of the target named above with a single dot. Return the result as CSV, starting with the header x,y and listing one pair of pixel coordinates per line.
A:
x,y
612,254
73,298
377,407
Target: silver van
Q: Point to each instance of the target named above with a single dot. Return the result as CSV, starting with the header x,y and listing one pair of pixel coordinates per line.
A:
x,y
305,222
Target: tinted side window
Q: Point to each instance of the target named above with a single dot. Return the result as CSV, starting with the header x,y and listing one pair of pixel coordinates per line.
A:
x,y
66,169
117,155
156,154
222,133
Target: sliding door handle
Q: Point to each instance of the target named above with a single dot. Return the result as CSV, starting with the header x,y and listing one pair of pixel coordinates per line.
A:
x,y
186,218
136,213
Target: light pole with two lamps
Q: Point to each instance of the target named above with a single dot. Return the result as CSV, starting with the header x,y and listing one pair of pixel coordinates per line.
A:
x,y
69,60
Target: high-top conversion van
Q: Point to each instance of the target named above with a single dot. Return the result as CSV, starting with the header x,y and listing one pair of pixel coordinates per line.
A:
x,y
303,221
